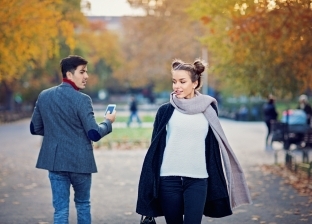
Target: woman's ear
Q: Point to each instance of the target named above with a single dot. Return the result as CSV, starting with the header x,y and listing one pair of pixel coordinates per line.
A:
x,y
195,84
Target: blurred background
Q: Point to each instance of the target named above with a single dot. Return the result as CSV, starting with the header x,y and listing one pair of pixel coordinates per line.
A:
x,y
253,48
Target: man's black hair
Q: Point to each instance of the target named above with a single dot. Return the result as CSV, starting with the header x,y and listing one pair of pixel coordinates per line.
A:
x,y
70,64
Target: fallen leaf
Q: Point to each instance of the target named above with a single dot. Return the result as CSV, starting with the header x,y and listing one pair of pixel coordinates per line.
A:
x,y
255,217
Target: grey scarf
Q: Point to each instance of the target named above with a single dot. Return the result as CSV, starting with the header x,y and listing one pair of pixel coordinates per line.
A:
x,y
236,183
195,105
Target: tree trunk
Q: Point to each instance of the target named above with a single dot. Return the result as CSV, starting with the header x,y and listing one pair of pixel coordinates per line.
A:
x,y
9,99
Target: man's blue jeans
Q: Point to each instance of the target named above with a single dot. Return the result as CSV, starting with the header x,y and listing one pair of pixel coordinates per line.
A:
x,y
60,184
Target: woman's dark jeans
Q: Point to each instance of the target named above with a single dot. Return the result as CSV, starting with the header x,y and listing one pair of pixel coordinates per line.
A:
x,y
183,195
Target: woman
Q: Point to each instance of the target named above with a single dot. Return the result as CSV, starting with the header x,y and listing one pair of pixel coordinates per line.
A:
x,y
182,173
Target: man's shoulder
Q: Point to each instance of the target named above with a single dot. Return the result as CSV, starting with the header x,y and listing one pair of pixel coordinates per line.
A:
x,y
81,98
46,92
73,92
75,96
83,95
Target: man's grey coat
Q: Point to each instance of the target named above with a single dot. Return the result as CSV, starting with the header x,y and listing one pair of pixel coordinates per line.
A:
x,y
65,119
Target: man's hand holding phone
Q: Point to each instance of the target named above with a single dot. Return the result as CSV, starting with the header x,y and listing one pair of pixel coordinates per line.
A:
x,y
110,112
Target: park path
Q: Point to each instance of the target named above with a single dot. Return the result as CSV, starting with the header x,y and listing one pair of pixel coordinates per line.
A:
x,y
25,195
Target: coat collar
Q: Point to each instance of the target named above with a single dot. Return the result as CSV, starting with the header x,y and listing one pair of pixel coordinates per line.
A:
x,y
71,83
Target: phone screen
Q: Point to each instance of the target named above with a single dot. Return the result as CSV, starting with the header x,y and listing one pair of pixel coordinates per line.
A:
x,y
110,109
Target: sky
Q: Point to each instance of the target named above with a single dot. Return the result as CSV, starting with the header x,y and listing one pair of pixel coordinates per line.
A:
x,y
111,8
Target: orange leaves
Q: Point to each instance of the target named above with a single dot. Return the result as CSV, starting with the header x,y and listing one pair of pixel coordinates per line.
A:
x,y
29,32
152,42
97,25
268,43
299,180
205,19
99,44
66,29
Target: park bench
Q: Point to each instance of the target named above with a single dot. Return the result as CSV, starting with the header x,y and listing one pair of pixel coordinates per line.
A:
x,y
301,136
298,135
287,134
280,132
304,166
305,148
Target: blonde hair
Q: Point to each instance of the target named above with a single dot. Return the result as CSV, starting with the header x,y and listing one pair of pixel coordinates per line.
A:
x,y
303,98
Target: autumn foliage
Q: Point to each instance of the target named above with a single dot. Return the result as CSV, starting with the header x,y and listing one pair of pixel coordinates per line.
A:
x,y
152,42
29,31
262,46
255,47
36,34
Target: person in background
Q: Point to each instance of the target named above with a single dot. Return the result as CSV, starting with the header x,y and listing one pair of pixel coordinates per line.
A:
x,y
270,116
305,106
243,113
184,175
64,117
133,111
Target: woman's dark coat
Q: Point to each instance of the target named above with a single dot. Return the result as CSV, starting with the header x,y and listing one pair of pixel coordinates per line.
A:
x,y
148,204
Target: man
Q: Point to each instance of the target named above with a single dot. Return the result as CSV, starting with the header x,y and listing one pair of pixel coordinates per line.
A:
x,y
64,117
133,111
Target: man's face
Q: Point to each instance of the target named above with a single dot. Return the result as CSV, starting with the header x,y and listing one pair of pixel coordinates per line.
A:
x,y
79,77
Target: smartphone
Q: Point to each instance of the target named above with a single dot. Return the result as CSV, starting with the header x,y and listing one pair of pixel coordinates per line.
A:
x,y
110,108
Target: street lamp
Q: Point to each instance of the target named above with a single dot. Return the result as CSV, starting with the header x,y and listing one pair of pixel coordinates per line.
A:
x,y
205,73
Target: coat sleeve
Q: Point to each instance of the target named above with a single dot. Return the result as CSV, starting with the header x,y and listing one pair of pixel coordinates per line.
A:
x,y
156,123
36,123
86,115
309,110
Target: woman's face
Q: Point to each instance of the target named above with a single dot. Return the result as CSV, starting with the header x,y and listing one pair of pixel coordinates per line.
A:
x,y
182,84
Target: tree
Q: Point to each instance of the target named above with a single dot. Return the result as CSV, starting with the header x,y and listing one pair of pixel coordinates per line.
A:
x,y
151,42
29,32
261,46
102,48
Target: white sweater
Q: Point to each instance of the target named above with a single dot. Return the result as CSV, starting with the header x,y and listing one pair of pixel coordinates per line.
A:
x,y
185,146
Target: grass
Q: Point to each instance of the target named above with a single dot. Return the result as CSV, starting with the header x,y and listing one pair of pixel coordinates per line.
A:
x,y
129,134
126,138
145,118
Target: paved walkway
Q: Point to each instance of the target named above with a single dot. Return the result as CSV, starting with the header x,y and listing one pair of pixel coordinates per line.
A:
x,y
25,195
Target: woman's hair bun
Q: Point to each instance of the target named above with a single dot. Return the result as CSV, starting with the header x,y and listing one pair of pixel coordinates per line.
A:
x,y
176,63
199,66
